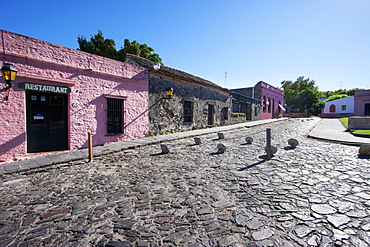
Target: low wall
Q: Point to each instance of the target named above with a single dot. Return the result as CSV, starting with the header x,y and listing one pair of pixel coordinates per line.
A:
x,y
239,119
301,114
336,115
359,123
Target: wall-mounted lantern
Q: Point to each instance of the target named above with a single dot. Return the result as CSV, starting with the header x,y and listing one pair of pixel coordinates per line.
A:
x,y
169,93
9,73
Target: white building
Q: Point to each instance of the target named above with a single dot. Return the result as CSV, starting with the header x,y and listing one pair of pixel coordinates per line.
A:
x,y
343,107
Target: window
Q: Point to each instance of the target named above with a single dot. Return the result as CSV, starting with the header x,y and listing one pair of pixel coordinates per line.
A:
x,y
114,116
269,105
344,107
264,103
188,111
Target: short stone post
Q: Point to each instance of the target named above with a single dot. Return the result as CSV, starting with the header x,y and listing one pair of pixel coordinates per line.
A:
x,y
165,149
221,148
197,140
221,136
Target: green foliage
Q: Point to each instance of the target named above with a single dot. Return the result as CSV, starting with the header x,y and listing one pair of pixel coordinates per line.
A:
x,y
336,96
301,94
238,114
349,92
98,45
107,48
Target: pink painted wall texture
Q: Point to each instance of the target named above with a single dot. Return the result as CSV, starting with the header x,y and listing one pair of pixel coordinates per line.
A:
x,y
92,79
362,103
271,98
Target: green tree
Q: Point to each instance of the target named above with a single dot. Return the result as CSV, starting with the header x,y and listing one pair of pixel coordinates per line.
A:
x,y
107,48
98,45
336,96
349,92
301,94
141,50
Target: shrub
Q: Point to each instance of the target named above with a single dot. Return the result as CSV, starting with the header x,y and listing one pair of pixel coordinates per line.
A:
x,y
238,114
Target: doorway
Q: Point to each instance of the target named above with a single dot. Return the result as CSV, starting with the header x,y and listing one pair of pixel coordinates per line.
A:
x,y
367,110
47,125
211,114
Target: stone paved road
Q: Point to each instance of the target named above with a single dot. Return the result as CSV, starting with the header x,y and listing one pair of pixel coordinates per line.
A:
x,y
314,195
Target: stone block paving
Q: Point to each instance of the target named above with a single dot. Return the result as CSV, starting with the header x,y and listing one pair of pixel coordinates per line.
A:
x,y
314,195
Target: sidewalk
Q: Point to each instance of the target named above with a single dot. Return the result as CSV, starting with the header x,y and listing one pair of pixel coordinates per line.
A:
x,y
81,154
331,129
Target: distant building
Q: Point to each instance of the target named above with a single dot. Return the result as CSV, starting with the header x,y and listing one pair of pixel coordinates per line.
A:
x,y
196,102
271,98
242,103
338,108
362,103
61,94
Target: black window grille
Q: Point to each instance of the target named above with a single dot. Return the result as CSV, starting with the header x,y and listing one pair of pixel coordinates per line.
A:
x,y
114,116
188,111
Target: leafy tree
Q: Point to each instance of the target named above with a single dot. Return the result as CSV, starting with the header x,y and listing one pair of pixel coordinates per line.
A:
x,y
98,45
301,94
349,92
107,48
141,50
335,96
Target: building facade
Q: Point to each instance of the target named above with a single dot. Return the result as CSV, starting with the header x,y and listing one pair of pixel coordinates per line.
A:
x,y
196,102
61,94
338,108
251,107
271,98
362,103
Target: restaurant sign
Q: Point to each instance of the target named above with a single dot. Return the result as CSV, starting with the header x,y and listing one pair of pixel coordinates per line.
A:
x,y
44,88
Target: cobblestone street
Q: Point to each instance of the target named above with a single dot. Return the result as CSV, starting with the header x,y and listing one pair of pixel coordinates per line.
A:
x,y
317,194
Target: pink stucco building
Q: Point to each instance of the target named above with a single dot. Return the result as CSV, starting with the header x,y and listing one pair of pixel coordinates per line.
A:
x,y
362,103
61,94
272,100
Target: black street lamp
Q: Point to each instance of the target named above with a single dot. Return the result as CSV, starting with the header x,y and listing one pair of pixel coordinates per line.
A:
x,y
9,74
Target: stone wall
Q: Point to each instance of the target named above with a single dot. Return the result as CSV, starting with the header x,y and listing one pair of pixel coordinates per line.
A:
x,y
359,123
297,115
167,115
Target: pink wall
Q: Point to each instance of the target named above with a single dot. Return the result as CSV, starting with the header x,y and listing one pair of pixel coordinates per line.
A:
x,y
361,98
274,97
91,79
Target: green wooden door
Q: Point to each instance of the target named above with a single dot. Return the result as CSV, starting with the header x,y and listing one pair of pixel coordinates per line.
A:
x,y
47,123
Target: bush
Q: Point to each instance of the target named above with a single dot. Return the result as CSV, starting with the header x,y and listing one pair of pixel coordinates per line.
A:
x,y
238,114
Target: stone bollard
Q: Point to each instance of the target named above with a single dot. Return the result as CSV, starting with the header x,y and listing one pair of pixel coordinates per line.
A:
x,y
221,136
364,150
293,143
272,150
221,148
197,140
165,149
249,140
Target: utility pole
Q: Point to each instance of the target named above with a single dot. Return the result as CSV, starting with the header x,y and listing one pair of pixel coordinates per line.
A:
x,y
225,78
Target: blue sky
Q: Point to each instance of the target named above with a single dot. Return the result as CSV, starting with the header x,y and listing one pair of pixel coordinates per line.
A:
x,y
252,40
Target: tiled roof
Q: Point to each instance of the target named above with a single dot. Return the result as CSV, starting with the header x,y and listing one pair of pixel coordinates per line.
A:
x,y
145,63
